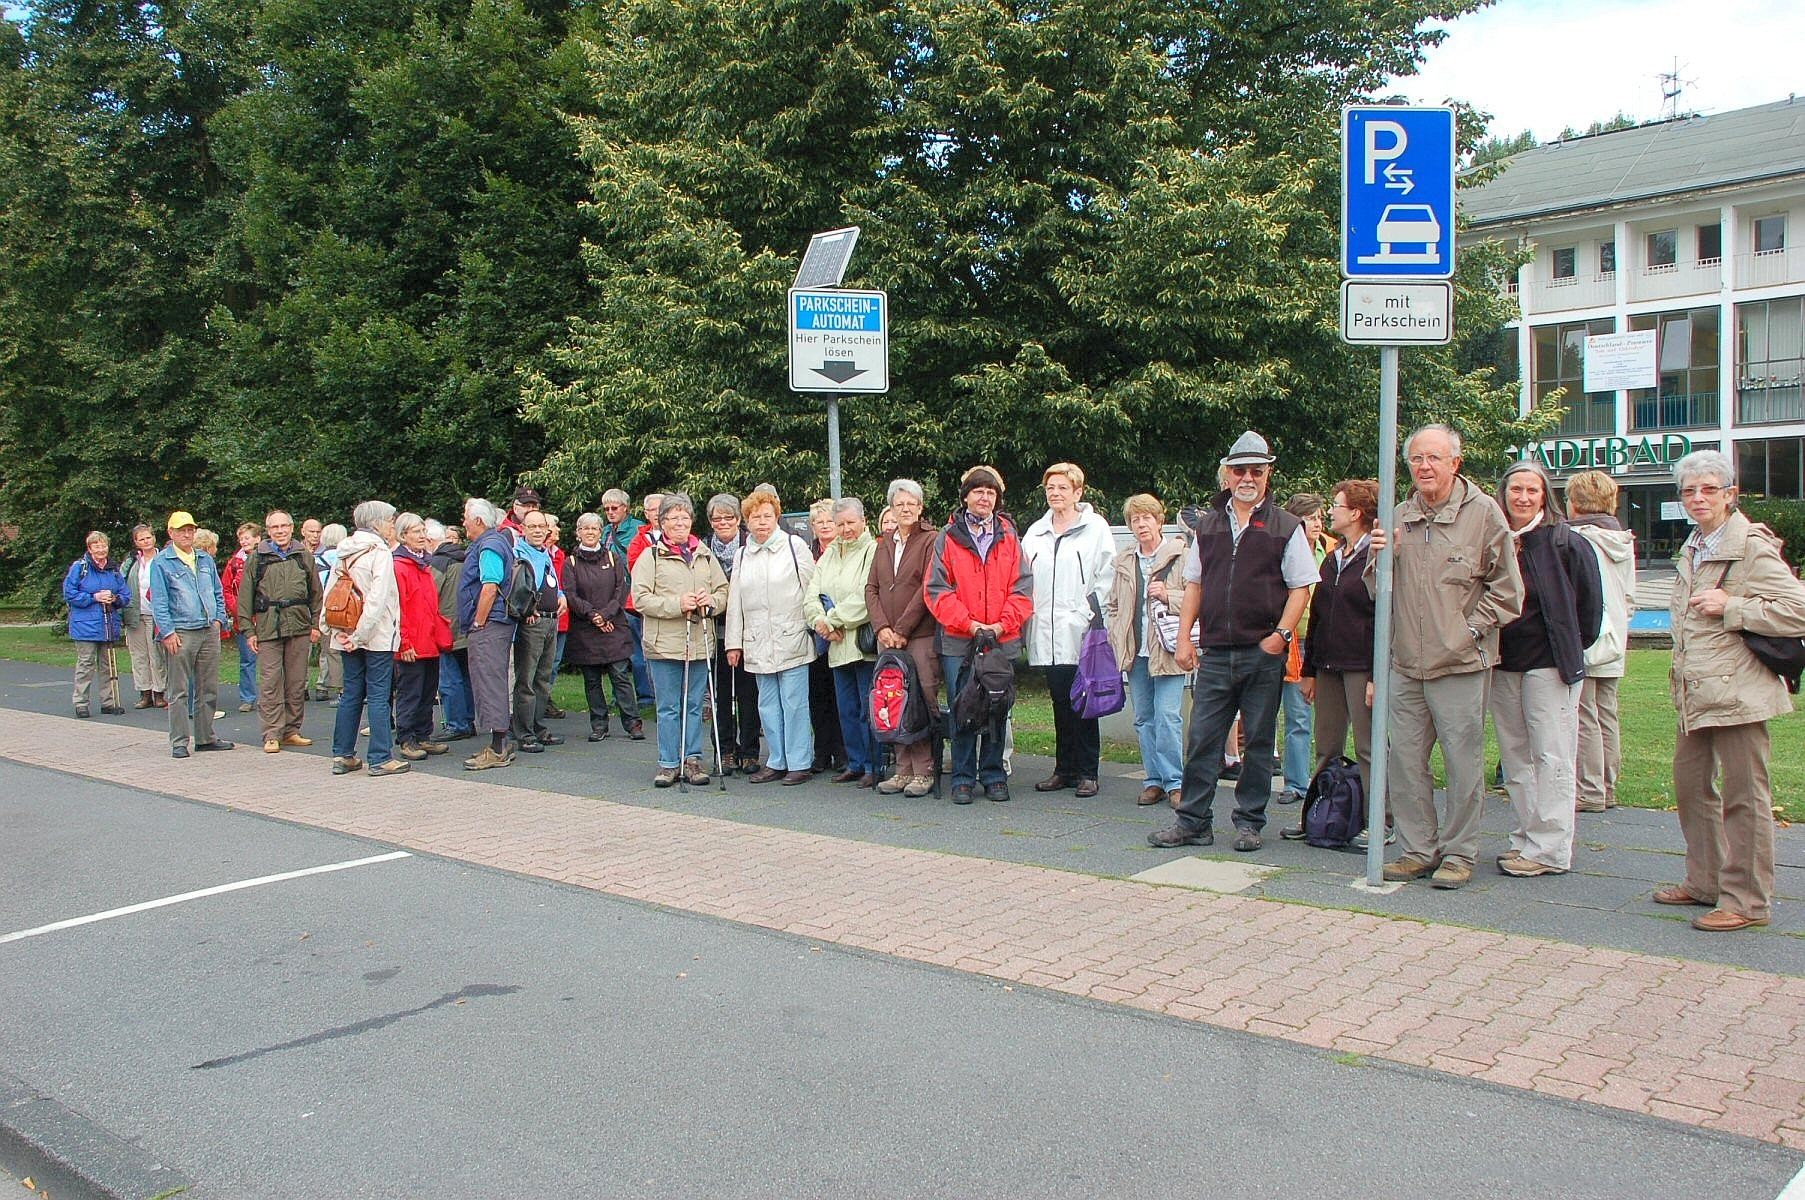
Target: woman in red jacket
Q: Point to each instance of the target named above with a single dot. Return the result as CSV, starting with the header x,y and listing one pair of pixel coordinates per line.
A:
x,y
424,634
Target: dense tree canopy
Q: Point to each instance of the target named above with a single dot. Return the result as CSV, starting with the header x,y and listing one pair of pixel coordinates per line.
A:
x,y
300,252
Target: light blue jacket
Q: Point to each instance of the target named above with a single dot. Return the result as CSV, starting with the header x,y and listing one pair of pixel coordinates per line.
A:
x,y
181,598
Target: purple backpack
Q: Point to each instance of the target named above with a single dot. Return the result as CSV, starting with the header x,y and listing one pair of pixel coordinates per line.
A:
x,y
1097,691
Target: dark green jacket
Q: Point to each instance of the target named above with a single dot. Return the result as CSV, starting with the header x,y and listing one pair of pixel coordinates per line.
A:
x,y
279,597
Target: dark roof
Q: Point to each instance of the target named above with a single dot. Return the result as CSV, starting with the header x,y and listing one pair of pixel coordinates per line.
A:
x,y
1662,159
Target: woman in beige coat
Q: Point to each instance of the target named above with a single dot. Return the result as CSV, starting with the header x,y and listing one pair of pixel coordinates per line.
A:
x,y
1143,609
768,635
677,585
1731,580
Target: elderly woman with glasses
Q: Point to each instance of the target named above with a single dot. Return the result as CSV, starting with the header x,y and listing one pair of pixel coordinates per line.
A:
x,y
677,587
1732,582
895,599
835,606
768,637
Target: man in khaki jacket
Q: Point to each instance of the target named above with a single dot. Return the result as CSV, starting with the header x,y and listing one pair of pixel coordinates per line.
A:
x,y
1454,584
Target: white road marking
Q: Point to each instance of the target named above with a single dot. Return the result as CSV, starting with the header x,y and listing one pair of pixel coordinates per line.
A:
x,y
129,909
1794,1190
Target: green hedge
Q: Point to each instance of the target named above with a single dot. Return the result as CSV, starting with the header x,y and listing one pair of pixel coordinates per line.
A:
x,y
1784,517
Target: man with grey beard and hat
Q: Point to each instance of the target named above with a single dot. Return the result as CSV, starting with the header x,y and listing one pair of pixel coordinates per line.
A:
x,y
1247,580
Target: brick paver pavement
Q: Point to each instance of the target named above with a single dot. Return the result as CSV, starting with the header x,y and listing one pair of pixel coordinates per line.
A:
x,y
1709,1045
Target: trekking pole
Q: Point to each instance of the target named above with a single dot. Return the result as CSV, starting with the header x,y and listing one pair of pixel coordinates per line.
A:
x,y
683,713
714,700
110,655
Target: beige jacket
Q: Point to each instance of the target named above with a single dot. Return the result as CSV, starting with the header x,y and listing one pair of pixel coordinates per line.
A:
x,y
371,565
660,579
1716,679
1124,630
1454,584
764,609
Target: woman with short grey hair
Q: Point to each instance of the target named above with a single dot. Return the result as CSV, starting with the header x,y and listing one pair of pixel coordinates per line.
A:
x,y
1732,582
895,600
367,651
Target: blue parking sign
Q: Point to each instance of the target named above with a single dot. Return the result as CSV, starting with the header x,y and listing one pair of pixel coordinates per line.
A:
x,y
1397,192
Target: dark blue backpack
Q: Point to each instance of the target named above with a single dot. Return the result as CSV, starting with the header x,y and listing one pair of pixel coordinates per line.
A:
x,y
1335,805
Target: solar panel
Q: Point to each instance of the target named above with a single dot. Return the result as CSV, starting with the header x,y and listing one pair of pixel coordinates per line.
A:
x,y
824,265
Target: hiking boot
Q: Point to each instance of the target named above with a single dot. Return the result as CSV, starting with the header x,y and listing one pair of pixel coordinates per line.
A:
x,y
1178,835
433,747
272,746
1153,793
1247,841
295,739
160,699
485,758
1360,841
81,710
1086,789
143,701
693,772
453,735
1407,868
1527,868
245,708
1451,875
1589,806
392,767
962,793
918,787
666,777
344,766
409,751
997,793
893,785
636,732
1289,796
598,735
555,713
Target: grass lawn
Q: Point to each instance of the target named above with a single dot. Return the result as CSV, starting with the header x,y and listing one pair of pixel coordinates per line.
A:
x,y
1647,720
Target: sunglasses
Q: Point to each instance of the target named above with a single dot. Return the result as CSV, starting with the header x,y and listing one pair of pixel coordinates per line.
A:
x,y
1255,470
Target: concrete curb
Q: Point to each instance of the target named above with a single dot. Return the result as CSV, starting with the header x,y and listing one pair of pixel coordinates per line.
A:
x,y
72,1158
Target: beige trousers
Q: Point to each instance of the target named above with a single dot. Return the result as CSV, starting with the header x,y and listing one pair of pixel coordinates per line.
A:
x,y
1449,711
150,662
1537,719
1341,702
1600,755
1729,832
282,685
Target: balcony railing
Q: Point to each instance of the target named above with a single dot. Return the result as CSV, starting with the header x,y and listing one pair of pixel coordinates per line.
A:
x,y
1575,291
1771,267
1771,391
1674,412
1678,279
1589,416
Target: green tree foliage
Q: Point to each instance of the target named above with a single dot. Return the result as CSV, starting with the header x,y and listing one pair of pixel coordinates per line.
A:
x,y
1109,233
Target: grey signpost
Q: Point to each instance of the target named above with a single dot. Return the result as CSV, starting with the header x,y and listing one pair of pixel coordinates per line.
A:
x,y
1397,253
839,337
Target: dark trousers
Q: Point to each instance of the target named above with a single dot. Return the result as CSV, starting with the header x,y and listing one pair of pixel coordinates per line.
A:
x,y
415,684
1077,744
824,714
735,706
1231,680
535,642
977,757
626,695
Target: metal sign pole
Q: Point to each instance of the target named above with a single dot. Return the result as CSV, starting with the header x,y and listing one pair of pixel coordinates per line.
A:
x,y
1388,487
833,446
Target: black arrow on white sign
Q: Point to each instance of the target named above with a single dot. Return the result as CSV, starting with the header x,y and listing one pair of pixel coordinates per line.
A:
x,y
839,371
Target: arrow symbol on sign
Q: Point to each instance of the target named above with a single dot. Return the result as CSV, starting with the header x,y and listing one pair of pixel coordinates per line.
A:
x,y
839,371
1398,178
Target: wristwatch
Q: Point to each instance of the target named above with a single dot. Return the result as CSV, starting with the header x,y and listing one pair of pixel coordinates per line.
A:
x,y
1284,633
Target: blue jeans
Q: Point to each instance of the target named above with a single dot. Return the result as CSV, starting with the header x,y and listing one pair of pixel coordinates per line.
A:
x,y
1159,723
977,757
667,685
852,690
558,653
642,678
247,669
369,676
1298,728
455,701
783,711
1231,680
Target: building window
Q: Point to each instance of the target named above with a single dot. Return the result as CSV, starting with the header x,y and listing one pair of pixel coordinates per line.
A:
x,y
1710,242
1564,262
1771,467
1560,362
1770,234
1770,361
1607,258
1664,248
1687,357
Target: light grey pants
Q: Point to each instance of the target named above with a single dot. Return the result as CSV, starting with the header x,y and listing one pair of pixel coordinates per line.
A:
x,y
1424,712
1341,702
95,662
150,663
490,653
535,649
1600,750
194,678
1537,719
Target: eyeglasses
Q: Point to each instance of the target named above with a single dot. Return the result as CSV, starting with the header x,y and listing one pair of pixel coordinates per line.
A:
x,y
1256,470
1426,460
1701,489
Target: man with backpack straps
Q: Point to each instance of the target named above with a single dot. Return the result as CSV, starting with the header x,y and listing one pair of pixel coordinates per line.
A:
x,y
279,599
980,591
483,613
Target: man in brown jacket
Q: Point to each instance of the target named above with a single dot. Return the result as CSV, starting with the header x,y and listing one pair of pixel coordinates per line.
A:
x,y
1454,584
279,600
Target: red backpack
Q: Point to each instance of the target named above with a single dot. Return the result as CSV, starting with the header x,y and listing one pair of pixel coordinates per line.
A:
x,y
899,714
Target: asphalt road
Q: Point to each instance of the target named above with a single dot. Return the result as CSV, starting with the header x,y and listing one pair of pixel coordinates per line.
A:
x,y
418,1027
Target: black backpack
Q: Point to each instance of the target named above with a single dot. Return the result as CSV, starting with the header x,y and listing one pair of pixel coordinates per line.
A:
x,y
899,714
987,692
1335,806
522,598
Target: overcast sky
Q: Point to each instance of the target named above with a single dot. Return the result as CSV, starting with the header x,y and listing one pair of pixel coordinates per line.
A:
x,y
1546,64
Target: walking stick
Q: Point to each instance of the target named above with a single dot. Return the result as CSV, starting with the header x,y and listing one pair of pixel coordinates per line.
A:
x,y
110,656
683,714
714,699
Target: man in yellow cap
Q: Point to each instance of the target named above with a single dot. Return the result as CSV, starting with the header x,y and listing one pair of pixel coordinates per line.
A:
x,y
188,604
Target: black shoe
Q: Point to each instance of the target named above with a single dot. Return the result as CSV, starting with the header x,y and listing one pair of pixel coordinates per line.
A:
x,y
215,744
81,710
555,713
178,752
596,735
111,710
997,792
453,735
530,746
551,739
1178,835
1293,834
962,793
1247,841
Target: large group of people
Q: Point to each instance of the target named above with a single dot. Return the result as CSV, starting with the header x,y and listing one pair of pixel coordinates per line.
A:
x,y
760,640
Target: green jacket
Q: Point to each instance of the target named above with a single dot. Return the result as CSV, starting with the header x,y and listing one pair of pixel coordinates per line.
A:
x,y
841,576
279,597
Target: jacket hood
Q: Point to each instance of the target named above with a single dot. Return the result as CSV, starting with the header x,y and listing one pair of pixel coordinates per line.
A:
x,y
1595,520
363,539
452,551
1616,545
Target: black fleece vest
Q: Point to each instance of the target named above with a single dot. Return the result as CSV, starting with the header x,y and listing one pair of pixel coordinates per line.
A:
x,y
1244,590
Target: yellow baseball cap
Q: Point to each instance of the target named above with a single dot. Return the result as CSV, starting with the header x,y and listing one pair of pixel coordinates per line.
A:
x,y
179,519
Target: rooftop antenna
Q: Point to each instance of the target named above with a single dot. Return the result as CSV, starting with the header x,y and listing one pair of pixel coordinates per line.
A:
x,y
1672,87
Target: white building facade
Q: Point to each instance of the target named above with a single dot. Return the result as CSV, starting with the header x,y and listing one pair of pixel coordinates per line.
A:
x,y
1692,228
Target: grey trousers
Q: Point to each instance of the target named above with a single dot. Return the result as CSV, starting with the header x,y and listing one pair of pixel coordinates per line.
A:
x,y
1424,712
535,656
1537,719
490,653
282,685
96,662
1729,831
193,677
1341,702
150,662
1600,758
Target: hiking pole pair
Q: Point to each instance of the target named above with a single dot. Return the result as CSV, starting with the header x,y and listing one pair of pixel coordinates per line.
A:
x,y
713,698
